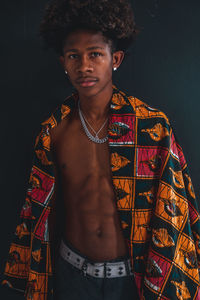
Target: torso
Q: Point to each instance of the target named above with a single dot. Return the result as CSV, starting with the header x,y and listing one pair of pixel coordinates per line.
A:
x,y
91,222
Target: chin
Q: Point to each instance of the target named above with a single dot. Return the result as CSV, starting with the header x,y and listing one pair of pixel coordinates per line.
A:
x,y
89,91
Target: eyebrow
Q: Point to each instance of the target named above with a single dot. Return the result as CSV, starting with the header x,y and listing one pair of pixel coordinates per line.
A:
x,y
90,48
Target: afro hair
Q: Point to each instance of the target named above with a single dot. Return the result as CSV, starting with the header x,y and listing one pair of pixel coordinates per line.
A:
x,y
113,18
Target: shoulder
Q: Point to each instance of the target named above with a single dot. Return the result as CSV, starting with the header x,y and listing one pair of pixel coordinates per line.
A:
x,y
61,111
141,109
50,124
153,127
144,111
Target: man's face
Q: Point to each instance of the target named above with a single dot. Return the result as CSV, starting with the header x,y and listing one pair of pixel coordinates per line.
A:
x,y
88,60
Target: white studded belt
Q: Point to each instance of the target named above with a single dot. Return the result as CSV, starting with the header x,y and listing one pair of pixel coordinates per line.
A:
x,y
98,270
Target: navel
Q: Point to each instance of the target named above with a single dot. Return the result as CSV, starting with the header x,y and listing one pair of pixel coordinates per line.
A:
x,y
99,232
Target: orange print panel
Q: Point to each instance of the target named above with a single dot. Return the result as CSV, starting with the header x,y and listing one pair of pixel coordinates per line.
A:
x,y
65,110
18,261
36,285
170,206
51,121
43,157
44,137
185,257
123,192
143,110
49,260
118,101
46,140
142,219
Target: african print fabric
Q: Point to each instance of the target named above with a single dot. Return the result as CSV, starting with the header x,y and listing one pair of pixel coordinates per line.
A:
x,y
155,201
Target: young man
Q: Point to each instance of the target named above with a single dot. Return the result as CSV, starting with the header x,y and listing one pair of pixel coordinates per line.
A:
x,y
110,212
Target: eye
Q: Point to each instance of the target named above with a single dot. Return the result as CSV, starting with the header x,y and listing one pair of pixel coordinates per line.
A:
x,y
72,56
96,54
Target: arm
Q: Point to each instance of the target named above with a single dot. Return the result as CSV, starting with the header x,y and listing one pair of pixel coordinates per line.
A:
x,y
174,253
29,255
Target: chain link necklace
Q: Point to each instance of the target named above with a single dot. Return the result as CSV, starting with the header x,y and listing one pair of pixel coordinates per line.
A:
x,y
95,138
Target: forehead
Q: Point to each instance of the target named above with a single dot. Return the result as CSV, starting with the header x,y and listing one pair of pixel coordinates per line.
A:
x,y
85,38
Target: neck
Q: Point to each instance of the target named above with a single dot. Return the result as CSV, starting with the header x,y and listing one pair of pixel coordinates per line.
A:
x,y
96,107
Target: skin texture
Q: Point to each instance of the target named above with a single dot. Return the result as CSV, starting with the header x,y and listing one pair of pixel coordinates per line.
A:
x,y
83,175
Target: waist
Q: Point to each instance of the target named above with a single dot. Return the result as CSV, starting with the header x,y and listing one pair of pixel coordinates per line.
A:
x,y
93,234
117,267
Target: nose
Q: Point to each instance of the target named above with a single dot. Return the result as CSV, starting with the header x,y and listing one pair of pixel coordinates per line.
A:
x,y
84,65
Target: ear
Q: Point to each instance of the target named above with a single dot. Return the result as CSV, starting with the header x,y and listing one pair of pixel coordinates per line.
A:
x,y
62,60
118,57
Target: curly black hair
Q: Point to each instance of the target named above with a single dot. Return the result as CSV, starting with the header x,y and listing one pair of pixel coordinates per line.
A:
x,y
113,18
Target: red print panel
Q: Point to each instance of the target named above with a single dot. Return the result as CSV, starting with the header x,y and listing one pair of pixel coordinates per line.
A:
x,y
156,272
41,228
42,186
193,213
177,151
121,130
150,161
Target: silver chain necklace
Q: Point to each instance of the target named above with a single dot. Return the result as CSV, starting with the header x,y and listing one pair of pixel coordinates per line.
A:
x,y
95,138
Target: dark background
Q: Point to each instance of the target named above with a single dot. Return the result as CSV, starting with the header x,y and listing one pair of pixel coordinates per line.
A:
x,y
163,70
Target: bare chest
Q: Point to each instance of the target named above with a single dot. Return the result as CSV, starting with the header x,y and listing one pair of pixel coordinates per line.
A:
x,y
90,213
81,165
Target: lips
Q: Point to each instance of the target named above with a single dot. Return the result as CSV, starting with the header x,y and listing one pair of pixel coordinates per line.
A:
x,y
87,81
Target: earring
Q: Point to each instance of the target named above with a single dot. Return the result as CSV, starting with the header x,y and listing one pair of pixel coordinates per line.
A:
x,y
65,72
114,69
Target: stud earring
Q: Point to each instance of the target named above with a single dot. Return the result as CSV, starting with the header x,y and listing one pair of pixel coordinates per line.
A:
x,y
114,69
65,72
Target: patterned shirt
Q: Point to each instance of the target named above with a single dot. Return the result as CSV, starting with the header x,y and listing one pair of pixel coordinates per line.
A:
x,y
154,197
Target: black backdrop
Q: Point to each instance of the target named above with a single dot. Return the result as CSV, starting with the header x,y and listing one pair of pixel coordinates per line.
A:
x,y
162,70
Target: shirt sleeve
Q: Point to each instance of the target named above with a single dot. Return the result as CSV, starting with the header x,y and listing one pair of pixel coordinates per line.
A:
x,y
29,246
18,260
173,259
